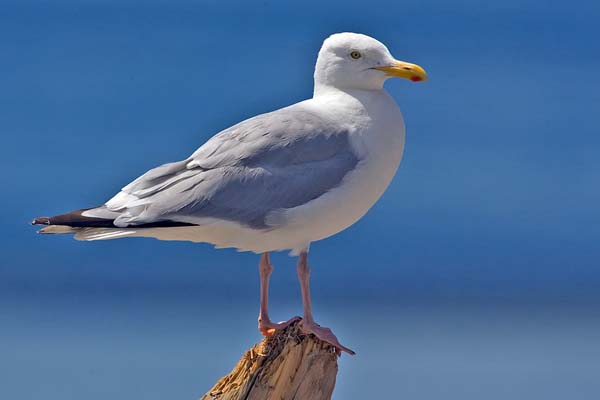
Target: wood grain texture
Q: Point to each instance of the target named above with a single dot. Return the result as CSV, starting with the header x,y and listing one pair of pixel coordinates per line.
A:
x,y
286,366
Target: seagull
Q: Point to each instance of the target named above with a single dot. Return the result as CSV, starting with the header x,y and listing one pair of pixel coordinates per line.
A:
x,y
276,181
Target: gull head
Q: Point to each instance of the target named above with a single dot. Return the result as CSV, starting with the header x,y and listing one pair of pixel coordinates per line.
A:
x,y
354,61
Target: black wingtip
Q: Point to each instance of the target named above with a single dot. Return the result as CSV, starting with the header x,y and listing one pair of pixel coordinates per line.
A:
x,y
41,221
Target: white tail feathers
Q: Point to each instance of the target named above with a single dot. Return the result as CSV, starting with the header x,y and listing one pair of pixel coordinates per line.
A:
x,y
88,234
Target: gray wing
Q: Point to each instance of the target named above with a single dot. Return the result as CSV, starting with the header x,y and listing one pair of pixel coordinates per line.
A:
x,y
270,162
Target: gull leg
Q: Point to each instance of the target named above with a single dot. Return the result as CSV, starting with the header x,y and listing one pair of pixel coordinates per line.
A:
x,y
265,326
308,324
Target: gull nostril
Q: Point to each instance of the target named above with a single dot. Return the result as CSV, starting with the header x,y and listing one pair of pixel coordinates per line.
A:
x,y
407,68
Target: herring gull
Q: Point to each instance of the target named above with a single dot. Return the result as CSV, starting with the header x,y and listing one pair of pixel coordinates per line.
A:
x,y
277,181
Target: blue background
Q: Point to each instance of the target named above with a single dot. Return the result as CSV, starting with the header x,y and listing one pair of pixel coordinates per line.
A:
x,y
475,276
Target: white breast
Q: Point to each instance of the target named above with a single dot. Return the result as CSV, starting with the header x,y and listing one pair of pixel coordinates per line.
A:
x,y
379,142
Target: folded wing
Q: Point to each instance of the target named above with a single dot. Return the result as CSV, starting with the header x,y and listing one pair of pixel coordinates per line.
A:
x,y
265,164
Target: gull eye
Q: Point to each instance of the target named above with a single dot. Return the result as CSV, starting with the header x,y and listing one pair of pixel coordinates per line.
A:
x,y
355,55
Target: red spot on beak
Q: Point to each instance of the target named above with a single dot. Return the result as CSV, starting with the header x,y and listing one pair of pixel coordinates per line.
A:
x,y
416,79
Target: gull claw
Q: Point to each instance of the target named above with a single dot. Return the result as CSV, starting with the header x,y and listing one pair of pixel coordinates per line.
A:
x,y
326,335
268,328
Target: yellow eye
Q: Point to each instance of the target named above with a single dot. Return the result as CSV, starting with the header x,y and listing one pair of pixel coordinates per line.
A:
x,y
355,55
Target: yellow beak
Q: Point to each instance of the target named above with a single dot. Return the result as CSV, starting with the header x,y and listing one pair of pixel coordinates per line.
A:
x,y
401,69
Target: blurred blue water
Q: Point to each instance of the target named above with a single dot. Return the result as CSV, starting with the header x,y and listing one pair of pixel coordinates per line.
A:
x,y
482,255
143,348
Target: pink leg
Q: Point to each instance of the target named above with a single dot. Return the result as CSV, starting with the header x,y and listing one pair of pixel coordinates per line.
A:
x,y
308,323
265,326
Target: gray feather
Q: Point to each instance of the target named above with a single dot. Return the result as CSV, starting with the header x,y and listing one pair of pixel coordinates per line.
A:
x,y
270,162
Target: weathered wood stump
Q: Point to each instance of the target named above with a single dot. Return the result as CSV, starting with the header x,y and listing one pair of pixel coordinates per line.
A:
x,y
286,366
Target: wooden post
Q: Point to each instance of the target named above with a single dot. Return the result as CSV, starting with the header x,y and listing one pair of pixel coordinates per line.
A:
x,y
286,366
